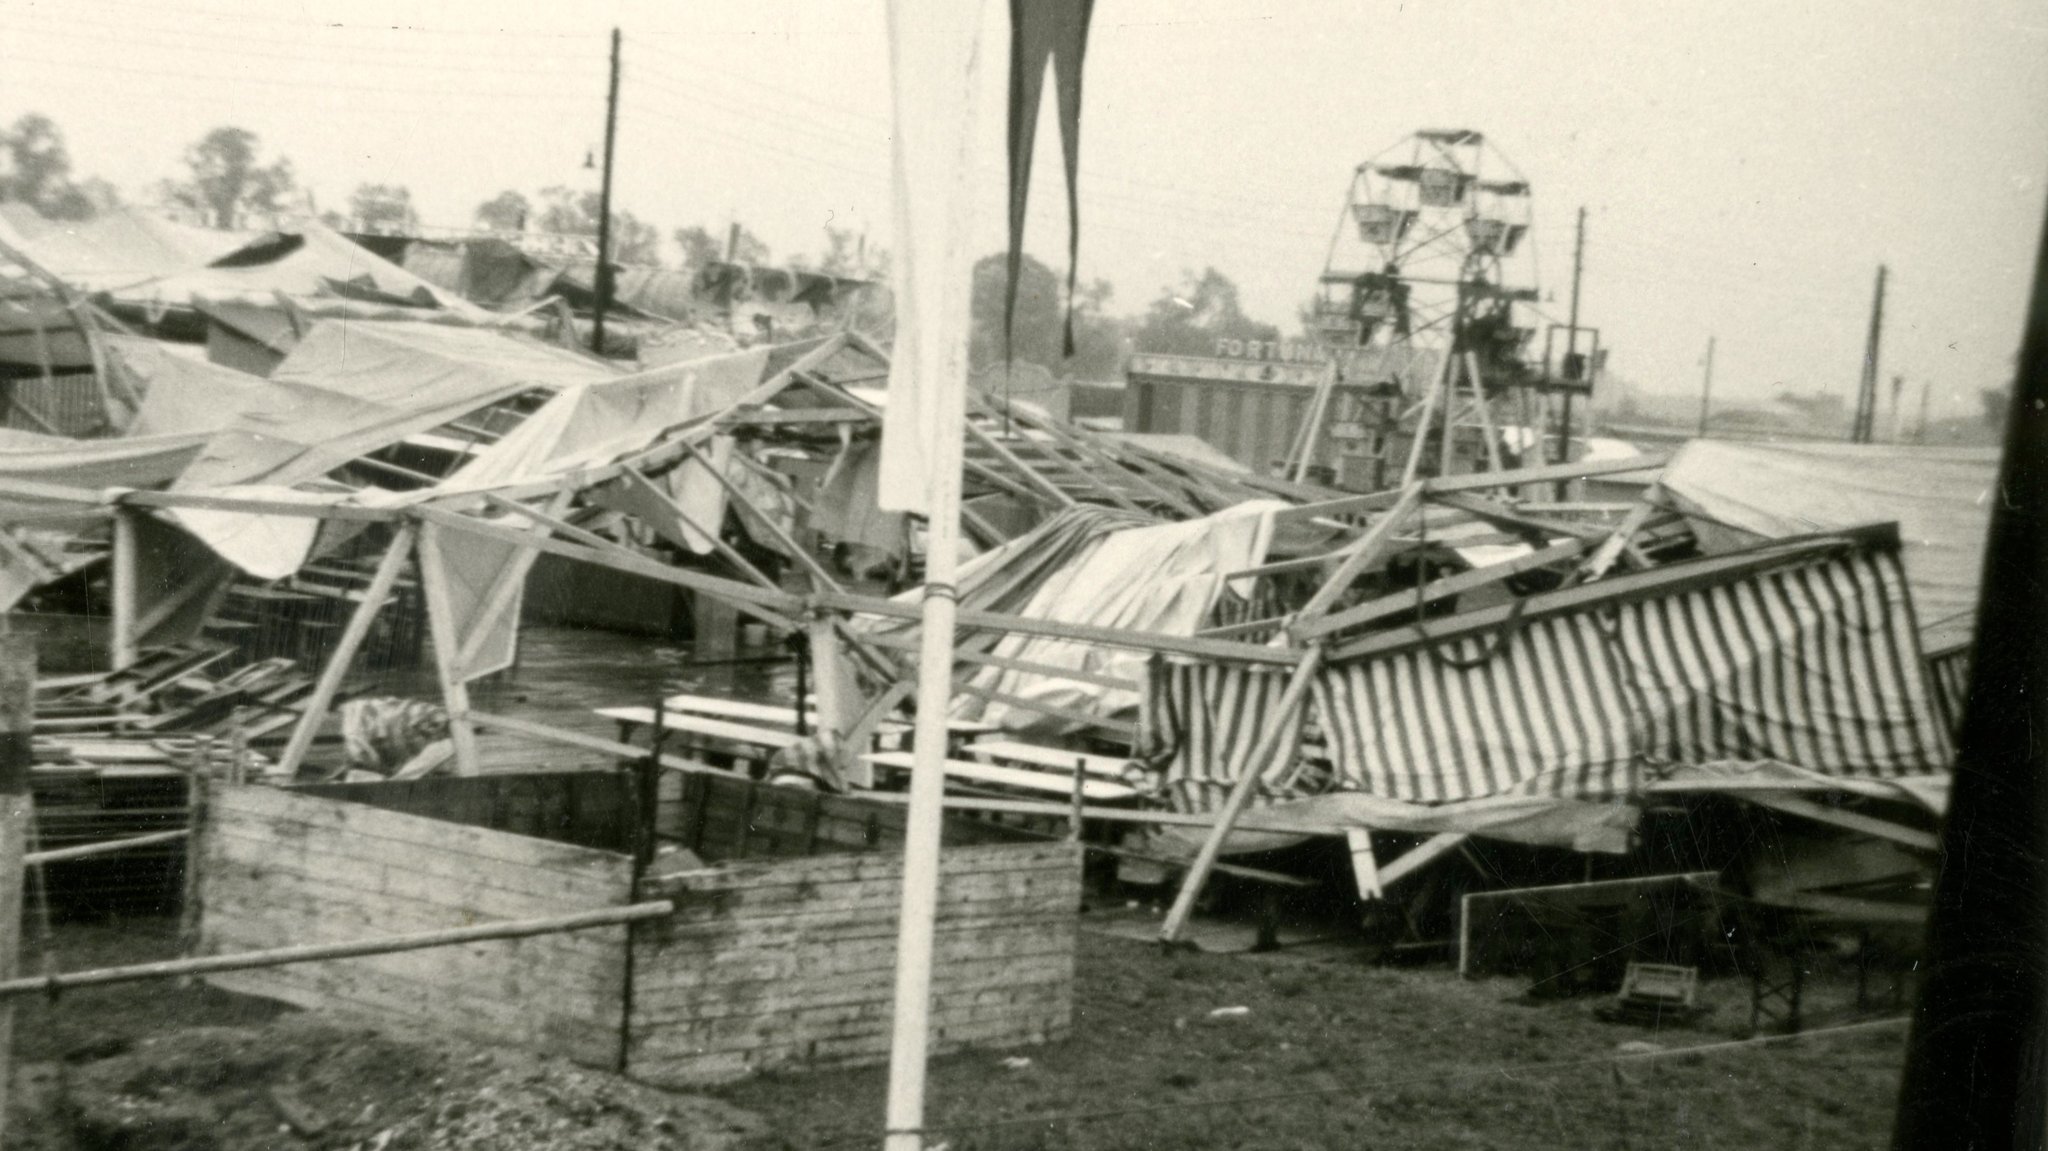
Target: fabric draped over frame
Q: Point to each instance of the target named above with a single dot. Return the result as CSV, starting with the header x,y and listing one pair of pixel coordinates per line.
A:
x,y
1816,665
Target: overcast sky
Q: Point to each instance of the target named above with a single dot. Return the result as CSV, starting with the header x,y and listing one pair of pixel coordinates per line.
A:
x,y
1746,165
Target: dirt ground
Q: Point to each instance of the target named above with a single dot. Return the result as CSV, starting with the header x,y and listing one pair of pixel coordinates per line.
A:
x,y
158,1067
1327,1053
1332,1054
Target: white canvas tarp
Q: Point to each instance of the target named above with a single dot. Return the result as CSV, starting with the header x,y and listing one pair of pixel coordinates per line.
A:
x,y
1939,496
1162,578
349,389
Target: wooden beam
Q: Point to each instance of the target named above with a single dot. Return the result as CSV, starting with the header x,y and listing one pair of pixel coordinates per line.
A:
x,y
1249,768
802,555
550,734
352,635
1497,513
1008,663
1420,856
762,603
256,506
447,658
1082,633
1059,495
315,952
1667,580
1370,547
1395,603
1852,821
123,591
1611,548
1477,481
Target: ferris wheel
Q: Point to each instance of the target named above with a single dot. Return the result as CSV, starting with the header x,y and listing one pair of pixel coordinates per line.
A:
x,y
1418,298
1429,259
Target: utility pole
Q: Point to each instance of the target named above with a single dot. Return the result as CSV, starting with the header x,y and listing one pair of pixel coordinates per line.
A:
x,y
604,207
1571,353
1898,435
1866,393
1707,388
1920,429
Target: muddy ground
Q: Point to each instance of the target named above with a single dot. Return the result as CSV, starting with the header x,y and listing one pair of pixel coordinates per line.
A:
x,y
1326,1053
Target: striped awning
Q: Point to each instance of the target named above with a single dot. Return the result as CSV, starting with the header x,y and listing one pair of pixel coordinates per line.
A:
x,y
1197,727
1813,662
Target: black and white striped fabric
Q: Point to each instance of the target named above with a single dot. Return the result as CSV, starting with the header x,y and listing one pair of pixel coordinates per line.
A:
x,y
1950,672
1200,720
1815,665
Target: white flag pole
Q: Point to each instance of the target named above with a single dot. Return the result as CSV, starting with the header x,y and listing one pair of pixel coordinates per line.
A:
x,y
935,77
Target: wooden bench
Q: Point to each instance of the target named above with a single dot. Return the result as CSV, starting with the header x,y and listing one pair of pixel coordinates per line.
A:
x,y
1011,778
743,742
1057,758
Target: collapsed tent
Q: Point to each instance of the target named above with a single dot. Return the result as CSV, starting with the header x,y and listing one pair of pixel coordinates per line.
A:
x,y
350,389
1089,568
1801,653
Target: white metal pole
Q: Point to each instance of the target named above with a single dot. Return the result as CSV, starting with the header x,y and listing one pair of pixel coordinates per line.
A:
x,y
914,939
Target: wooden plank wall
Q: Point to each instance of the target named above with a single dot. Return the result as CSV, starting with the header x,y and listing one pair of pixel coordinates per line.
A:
x,y
586,808
281,868
793,962
726,818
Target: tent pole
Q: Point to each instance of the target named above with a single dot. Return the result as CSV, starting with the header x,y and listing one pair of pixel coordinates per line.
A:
x,y
1248,772
916,930
351,639
122,642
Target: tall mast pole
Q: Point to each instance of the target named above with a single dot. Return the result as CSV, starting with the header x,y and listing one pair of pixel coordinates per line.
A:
x,y
604,207
1707,388
1866,394
1571,350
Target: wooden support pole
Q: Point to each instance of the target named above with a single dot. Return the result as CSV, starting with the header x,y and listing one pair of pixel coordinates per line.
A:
x,y
1248,772
831,679
1371,546
352,636
797,551
447,660
13,989
1429,403
103,846
1612,547
121,653
1485,413
17,813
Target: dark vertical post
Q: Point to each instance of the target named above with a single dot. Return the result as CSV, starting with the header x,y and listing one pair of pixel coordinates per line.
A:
x,y
1974,1062
1866,392
1707,389
604,207
17,730
1571,351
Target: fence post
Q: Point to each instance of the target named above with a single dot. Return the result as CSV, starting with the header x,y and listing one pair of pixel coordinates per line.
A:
x,y
17,731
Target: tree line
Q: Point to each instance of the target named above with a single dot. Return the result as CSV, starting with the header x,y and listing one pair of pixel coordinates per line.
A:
x,y
230,183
